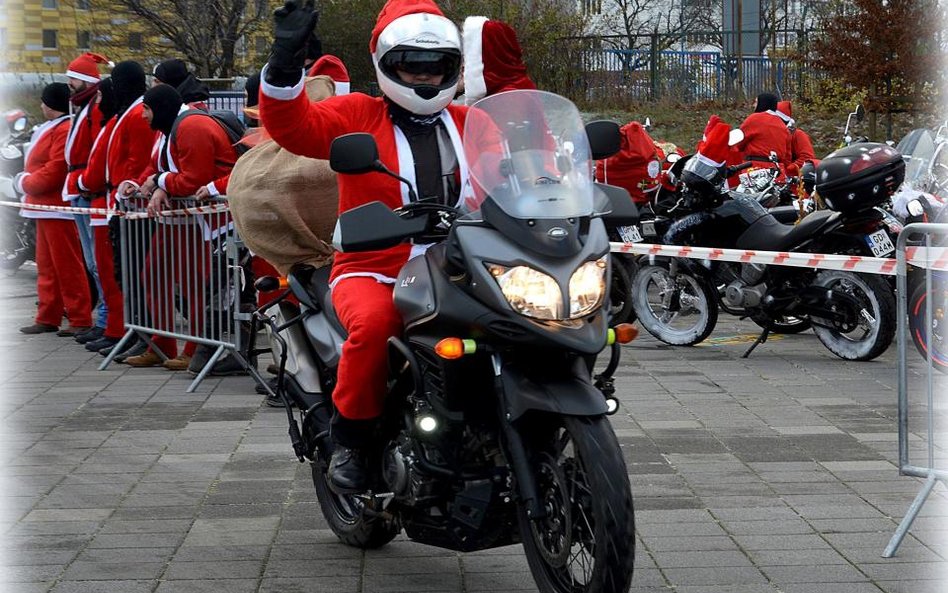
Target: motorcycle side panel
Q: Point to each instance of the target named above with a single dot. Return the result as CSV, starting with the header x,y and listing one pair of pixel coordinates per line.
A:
x,y
414,294
325,339
298,362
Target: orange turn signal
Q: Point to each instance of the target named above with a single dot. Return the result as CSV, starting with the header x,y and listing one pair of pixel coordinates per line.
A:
x,y
284,283
454,348
626,332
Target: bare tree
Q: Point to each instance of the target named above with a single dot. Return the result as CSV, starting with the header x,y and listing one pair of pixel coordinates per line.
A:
x,y
205,32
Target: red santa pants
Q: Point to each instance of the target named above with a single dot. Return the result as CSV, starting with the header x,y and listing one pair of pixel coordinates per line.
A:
x,y
179,257
366,310
105,263
61,282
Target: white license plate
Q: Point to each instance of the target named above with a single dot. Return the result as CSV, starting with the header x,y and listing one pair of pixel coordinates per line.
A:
x,y
630,234
880,243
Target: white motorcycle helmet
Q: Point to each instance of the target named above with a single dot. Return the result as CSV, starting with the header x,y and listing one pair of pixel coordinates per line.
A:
x,y
419,43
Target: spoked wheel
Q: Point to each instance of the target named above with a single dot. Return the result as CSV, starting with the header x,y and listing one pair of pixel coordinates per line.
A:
x,y
677,310
348,517
932,337
586,541
785,324
872,324
17,242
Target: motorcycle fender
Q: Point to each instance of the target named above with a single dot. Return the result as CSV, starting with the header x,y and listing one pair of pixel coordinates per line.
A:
x,y
570,395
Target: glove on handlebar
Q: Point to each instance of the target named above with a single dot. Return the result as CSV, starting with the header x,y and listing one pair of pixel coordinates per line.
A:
x,y
293,27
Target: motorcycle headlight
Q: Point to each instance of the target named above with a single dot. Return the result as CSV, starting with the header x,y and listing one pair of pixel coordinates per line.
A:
x,y
587,286
529,292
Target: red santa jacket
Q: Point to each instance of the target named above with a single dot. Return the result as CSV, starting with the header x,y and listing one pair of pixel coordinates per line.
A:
x,y
765,132
85,128
124,152
636,166
45,169
96,170
801,149
308,129
199,153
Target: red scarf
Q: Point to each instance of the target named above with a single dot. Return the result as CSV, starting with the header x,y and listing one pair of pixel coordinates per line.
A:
x,y
82,97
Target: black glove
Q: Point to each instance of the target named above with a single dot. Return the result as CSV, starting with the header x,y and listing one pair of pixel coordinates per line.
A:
x,y
293,25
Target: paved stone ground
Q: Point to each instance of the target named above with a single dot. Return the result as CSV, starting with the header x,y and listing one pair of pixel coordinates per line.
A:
x,y
773,474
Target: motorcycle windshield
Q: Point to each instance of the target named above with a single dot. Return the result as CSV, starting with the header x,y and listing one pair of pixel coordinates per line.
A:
x,y
529,152
918,149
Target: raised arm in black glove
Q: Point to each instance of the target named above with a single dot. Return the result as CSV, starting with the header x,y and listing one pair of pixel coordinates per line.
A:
x,y
293,25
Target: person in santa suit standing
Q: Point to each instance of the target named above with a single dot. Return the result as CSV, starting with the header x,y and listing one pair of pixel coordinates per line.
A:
x,y
417,57
194,151
174,72
61,279
493,59
122,151
764,131
83,78
801,147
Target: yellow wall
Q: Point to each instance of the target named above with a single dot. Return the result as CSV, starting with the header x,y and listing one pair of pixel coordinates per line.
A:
x,y
21,30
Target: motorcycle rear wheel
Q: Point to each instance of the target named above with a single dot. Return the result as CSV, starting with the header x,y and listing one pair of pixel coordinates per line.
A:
x,y
923,335
347,517
680,311
586,543
876,326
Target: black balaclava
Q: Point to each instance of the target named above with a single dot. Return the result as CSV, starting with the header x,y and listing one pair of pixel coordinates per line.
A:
x,y
56,96
128,84
165,103
171,72
766,102
253,89
107,104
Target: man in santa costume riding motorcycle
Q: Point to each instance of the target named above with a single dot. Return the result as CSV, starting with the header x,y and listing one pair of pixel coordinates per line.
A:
x,y
417,56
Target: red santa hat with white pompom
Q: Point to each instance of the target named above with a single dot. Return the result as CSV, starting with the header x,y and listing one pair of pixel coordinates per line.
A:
x,y
86,67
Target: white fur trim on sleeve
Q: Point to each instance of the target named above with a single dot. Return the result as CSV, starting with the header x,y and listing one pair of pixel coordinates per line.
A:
x,y
283,93
475,87
162,180
18,181
212,189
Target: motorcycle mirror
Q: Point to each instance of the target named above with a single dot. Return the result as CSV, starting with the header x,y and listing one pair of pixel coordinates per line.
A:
x,y
735,137
615,205
354,154
605,139
860,112
20,124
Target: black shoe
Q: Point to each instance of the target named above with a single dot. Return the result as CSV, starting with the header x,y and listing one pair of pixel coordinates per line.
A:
x,y
349,471
90,336
137,349
39,328
103,342
228,366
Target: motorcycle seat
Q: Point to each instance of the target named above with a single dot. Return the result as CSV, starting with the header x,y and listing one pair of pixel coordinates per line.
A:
x,y
311,286
769,234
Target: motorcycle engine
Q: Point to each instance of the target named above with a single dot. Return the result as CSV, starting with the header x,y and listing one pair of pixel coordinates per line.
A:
x,y
401,475
747,291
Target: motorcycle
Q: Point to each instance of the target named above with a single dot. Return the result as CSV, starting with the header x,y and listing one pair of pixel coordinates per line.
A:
x,y
18,240
852,314
495,430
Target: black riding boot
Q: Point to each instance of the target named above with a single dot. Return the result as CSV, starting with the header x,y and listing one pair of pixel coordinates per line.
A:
x,y
350,469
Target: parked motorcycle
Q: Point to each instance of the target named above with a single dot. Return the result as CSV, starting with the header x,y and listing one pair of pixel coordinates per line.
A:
x,y
852,314
18,239
495,431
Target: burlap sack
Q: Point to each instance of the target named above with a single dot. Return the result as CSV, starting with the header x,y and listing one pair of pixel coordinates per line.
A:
x,y
284,205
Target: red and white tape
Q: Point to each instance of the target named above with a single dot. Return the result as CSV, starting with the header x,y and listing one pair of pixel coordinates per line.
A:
x,y
936,258
190,211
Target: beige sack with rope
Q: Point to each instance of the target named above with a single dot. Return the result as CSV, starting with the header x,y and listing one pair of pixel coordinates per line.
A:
x,y
285,205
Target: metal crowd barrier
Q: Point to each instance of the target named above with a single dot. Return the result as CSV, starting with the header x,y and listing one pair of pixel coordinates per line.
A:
x,y
182,280
931,473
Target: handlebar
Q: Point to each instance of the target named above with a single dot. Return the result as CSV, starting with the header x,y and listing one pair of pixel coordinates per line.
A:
x,y
737,169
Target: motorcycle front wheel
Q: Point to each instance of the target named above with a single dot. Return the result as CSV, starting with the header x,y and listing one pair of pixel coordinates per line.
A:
x,y
874,325
926,336
18,244
620,291
586,541
678,310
